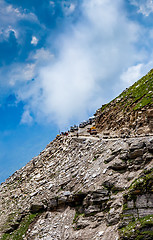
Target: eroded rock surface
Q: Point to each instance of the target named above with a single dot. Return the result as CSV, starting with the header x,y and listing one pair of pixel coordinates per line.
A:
x,y
75,187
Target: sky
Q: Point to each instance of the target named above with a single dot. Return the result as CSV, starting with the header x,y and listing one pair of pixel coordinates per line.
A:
x,y
60,61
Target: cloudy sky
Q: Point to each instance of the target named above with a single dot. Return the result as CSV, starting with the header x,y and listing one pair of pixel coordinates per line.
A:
x,y
60,60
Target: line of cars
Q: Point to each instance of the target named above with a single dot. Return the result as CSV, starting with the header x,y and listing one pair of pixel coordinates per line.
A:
x,y
82,124
74,128
91,130
88,122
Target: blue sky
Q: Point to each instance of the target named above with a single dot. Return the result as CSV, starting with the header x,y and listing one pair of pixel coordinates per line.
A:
x,y
60,61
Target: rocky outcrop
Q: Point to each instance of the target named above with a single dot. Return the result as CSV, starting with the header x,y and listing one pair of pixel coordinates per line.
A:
x,y
131,113
71,194
137,217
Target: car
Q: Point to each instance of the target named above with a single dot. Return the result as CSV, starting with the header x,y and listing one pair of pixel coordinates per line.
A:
x,y
81,125
75,128
71,129
88,130
93,132
64,133
92,119
85,123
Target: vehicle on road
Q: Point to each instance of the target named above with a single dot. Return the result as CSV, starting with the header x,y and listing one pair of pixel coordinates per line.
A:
x,y
81,125
75,127
64,133
92,131
92,119
71,129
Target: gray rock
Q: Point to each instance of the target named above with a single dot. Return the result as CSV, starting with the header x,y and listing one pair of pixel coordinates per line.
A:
x,y
141,201
61,184
148,157
109,159
118,166
143,212
36,207
113,219
53,203
92,210
138,161
136,153
130,204
137,145
123,156
61,201
150,147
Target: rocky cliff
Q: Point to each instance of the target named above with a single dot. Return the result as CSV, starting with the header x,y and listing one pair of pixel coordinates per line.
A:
x,y
87,187
131,113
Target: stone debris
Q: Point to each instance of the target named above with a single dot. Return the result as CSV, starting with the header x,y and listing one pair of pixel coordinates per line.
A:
x,y
71,183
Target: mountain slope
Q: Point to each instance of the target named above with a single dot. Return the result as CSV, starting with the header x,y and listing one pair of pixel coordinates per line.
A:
x,y
131,112
86,187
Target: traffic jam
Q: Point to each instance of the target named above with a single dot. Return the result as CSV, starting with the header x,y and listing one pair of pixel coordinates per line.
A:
x,y
85,126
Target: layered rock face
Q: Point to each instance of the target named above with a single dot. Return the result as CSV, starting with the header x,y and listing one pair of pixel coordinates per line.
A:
x,y
84,188
137,218
74,189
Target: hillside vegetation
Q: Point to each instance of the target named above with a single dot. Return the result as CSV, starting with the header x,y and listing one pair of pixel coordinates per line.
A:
x,y
137,96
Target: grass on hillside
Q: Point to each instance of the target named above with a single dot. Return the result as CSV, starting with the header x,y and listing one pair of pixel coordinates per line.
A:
x,y
139,95
22,229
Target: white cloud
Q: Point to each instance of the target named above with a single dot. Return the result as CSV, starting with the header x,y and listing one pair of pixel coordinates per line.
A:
x,y
93,53
9,18
10,29
4,34
34,40
68,8
42,56
26,118
52,3
144,6
134,73
19,74
90,58
72,7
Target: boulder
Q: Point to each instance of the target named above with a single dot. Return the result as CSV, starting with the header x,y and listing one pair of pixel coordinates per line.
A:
x,y
137,145
118,166
92,210
36,207
148,157
150,147
53,203
136,153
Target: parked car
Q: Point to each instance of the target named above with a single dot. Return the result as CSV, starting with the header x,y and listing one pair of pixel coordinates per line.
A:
x,y
93,132
85,123
75,128
71,129
81,125
92,119
64,133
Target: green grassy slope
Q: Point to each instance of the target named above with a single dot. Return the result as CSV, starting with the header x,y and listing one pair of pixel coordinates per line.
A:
x,y
139,95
